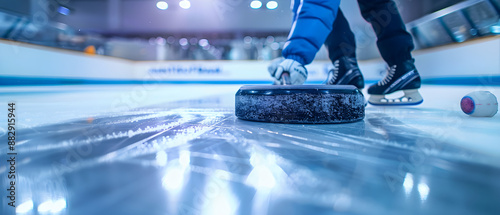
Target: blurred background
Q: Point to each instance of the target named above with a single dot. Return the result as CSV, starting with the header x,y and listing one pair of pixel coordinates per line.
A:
x,y
150,30
128,105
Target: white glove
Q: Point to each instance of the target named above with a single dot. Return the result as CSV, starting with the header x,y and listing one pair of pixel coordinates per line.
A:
x,y
298,73
273,66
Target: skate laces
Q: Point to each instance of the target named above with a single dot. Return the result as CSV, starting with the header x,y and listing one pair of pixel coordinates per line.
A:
x,y
388,77
335,73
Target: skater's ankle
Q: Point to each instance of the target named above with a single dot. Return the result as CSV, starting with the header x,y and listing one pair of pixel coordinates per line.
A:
x,y
404,67
402,60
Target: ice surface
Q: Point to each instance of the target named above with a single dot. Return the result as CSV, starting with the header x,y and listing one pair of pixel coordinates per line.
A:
x,y
179,149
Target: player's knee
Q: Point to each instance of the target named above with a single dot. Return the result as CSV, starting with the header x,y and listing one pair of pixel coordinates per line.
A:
x,y
377,10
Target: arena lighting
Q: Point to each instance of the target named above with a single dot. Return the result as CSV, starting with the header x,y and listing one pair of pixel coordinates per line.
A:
x,y
271,5
185,4
203,42
162,5
255,4
183,42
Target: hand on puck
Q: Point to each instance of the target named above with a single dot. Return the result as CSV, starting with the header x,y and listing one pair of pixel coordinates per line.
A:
x,y
296,71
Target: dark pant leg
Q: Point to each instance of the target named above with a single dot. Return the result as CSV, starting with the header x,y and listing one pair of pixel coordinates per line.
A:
x,y
341,41
394,42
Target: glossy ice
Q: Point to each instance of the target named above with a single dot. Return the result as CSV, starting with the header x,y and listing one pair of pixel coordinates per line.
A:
x,y
178,149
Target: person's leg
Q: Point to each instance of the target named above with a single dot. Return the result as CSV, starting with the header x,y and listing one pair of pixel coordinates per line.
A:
x,y
341,46
341,42
395,45
393,40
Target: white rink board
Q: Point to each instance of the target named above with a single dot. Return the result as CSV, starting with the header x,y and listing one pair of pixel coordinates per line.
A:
x,y
18,60
475,58
218,70
25,60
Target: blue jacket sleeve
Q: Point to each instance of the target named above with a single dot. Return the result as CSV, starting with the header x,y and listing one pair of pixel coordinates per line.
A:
x,y
313,22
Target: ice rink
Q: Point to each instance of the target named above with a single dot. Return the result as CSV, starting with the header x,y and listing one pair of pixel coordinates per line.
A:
x,y
179,149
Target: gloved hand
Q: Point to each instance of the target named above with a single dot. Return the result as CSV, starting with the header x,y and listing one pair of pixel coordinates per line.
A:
x,y
273,66
298,73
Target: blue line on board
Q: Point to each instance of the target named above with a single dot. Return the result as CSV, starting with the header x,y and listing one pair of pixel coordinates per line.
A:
x,y
23,81
481,81
34,81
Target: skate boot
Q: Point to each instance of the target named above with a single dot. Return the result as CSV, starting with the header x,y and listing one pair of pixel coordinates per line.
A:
x,y
345,71
401,77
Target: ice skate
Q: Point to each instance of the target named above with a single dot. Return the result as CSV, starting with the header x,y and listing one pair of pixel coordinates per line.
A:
x,y
404,78
345,71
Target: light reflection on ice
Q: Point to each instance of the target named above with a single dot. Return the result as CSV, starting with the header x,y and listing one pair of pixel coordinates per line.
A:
x,y
173,178
51,206
266,173
261,178
25,207
343,202
295,136
423,189
217,197
408,183
272,132
221,205
184,158
315,148
148,115
209,119
183,132
161,158
112,136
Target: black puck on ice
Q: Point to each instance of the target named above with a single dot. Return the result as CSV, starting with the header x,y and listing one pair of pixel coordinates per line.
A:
x,y
300,103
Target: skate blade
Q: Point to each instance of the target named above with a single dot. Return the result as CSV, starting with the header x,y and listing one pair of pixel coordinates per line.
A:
x,y
411,97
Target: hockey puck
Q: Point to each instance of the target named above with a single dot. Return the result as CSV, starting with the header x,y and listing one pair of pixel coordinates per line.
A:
x,y
300,103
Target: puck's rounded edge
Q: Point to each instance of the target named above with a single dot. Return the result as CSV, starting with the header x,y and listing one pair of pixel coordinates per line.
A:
x,y
300,105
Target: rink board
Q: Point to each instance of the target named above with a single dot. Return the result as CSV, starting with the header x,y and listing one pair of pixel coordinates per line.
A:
x,y
31,64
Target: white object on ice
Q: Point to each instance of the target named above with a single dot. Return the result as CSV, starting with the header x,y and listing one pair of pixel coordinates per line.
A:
x,y
411,97
479,104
